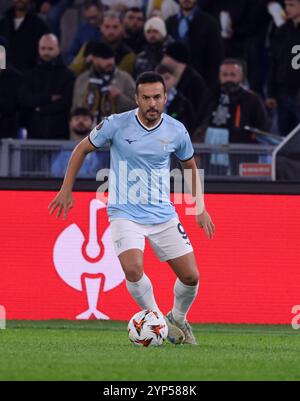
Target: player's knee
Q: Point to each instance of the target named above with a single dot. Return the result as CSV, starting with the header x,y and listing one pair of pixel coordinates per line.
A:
x,y
191,279
133,272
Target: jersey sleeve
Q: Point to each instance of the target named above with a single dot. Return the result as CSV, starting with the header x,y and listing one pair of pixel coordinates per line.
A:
x,y
184,150
103,133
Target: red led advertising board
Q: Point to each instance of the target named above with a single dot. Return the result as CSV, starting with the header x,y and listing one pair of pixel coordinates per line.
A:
x,y
55,269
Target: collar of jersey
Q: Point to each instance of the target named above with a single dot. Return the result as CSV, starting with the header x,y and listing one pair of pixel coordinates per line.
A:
x,y
144,126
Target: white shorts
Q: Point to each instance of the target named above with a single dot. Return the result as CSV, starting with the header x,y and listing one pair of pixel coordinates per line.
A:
x,y
168,240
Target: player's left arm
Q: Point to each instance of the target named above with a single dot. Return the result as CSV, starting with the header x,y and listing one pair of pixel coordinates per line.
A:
x,y
203,218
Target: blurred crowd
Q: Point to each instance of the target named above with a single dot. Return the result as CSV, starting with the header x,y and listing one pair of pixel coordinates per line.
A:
x,y
227,65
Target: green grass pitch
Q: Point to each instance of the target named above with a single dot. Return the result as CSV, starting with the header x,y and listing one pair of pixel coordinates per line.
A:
x,y
65,350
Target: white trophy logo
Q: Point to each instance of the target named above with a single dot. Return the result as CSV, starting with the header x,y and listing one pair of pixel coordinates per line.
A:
x,y
91,274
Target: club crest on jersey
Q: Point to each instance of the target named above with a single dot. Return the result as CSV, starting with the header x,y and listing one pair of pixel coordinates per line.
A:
x,y
165,144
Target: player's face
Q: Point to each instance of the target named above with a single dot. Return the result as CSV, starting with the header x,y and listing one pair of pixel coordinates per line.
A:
x,y
134,21
292,8
112,30
231,73
151,99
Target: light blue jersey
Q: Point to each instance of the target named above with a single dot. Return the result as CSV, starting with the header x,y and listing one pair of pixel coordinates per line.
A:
x,y
140,164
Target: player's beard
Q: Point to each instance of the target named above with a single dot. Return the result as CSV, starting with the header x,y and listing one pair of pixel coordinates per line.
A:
x,y
152,118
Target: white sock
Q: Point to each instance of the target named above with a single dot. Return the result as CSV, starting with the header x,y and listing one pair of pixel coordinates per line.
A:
x,y
142,292
184,297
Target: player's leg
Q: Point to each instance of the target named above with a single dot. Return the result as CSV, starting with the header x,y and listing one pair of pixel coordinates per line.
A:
x,y
171,244
185,292
137,283
186,285
129,243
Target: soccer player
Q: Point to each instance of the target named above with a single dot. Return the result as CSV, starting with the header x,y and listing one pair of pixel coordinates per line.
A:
x,y
144,139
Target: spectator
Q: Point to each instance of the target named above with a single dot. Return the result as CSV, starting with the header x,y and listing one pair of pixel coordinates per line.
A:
x,y
284,80
46,93
189,82
104,89
81,124
177,105
234,107
87,31
244,26
162,8
234,20
52,11
200,33
134,20
22,30
156,43
10,80
112,34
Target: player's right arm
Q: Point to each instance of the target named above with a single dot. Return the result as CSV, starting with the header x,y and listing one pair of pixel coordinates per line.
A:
x,y
64,200
99,136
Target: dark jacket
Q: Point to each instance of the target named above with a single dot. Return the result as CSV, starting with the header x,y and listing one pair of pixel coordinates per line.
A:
x,y
180,108
22,52
151,56
205,45
245,16
283,78
136,41
47,119
244,108
193,87
10,81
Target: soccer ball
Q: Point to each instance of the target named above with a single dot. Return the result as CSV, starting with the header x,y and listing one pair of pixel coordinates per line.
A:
x,y
147,328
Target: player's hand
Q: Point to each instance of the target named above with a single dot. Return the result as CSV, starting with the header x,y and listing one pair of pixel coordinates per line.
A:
x,y
63,202
204,221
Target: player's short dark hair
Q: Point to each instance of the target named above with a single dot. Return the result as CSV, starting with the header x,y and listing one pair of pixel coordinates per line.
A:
x,y
81,111
149,77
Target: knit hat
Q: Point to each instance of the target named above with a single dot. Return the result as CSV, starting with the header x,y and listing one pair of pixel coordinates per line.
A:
x,y
157,24
178,51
